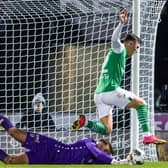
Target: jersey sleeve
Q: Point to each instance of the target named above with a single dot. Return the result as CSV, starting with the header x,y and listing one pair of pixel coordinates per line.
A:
x,y
98,154
117,46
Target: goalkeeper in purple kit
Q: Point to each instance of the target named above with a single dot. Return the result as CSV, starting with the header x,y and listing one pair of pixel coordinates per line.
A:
x,y
108,92
41,149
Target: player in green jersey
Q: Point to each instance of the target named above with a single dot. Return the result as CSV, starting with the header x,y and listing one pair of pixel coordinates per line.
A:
x,y
109,93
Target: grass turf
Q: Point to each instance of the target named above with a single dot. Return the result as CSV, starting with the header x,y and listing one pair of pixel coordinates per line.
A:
x,y
146,165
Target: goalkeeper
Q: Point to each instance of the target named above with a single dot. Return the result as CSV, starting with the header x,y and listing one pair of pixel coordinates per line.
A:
x,y
109,93
45,150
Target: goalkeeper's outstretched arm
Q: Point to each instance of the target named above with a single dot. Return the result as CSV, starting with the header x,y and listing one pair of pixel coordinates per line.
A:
x,y
127,160
122,161
105,158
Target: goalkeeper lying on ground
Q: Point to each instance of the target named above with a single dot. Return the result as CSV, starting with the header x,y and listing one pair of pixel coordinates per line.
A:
x,y
44,150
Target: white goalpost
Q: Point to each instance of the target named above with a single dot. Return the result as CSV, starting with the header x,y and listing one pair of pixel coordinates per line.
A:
x,y
57,47
135,75
149,18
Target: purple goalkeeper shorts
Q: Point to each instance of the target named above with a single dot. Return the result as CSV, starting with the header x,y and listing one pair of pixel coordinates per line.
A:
x,y
38,148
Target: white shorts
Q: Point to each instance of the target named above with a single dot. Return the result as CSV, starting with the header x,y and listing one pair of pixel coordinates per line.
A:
x,y
107,100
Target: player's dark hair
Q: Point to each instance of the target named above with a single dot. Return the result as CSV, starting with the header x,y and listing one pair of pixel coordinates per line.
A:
x,y
132,37
109,144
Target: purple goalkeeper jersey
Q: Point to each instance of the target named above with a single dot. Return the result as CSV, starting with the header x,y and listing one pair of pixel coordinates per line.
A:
x,y
44,150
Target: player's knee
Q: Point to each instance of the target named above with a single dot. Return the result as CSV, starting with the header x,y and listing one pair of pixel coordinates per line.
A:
x,y
136,102
139,101
142,101
109,130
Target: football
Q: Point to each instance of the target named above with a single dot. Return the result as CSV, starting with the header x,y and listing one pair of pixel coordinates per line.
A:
x,y
138,156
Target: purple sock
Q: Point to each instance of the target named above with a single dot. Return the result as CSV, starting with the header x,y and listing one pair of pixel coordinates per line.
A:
x,y
2,155
6,123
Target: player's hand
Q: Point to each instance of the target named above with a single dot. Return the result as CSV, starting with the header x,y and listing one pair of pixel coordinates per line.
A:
x,y
123,16
129,159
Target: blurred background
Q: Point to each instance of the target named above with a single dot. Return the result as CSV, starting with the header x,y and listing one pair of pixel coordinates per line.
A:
x,y
161,82
161,63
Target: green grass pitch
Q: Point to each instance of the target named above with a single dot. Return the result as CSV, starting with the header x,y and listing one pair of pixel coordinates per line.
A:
x,y
146,165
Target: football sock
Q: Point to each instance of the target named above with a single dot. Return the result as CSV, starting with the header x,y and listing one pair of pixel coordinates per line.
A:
x,y
5,123
146,133
142,112
96,126
2,155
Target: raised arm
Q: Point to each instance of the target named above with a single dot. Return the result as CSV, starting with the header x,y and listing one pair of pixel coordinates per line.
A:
x,y
117,46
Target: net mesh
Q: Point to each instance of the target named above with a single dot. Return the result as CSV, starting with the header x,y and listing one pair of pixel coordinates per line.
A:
x,y
57,48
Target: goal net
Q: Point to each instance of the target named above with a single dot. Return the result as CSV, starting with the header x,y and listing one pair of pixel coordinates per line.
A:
x,y
57,48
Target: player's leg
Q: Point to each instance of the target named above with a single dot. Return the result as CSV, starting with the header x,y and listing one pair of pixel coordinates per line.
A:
x,y
104,126
107,121
126,99
142,112
96,126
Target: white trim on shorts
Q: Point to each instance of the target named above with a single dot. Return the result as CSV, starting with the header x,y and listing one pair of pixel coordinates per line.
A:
x,y
107,100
